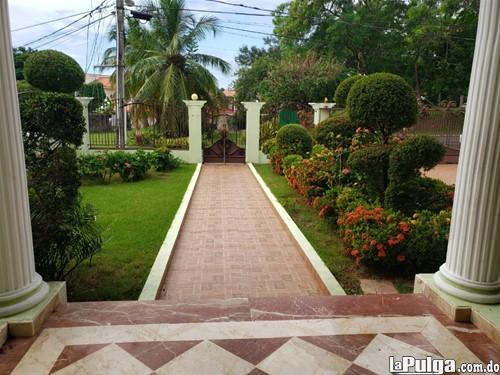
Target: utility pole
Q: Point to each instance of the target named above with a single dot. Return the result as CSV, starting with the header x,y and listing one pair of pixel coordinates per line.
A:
x,y
120,73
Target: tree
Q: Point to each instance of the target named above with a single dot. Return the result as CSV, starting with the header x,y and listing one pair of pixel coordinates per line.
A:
x,y
20,56
95,90
163,65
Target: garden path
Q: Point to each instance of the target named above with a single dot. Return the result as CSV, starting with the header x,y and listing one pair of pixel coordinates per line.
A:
x,y
233,244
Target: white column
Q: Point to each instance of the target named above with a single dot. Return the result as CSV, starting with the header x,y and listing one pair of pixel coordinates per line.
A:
x,y
321,111
472,268
195,136
252,146
20,286
84,100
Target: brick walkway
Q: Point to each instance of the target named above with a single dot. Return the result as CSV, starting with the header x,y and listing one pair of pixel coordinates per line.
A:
x,y
233,244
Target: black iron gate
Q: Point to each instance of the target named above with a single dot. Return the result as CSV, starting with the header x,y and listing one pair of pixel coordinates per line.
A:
x,y
224,140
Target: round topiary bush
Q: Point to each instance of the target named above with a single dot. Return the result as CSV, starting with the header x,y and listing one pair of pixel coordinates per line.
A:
x,y
343,90
336,131
53,71
384,102
294,139
52,117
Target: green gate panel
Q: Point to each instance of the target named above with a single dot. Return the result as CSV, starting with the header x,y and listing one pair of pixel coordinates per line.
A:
x,y
288,117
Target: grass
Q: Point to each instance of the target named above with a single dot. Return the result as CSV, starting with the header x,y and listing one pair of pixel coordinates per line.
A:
x,y
319,232
135,218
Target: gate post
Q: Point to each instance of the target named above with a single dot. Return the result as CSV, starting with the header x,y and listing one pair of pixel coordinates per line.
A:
x,y
86,136
321,111
195,136
252,147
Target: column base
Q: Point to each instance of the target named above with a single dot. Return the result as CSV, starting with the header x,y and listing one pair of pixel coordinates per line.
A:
x,y
21,300
477,293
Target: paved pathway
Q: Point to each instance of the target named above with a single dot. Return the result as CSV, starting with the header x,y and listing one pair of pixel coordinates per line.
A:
x,y
233,244
444,172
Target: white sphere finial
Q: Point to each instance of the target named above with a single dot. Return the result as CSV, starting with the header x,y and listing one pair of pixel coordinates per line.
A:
x,y
194,97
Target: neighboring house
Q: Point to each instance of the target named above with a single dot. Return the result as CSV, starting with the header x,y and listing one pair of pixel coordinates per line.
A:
x,y
104,79
229,107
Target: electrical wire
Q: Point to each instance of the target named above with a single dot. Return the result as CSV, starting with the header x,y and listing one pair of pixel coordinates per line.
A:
x,y
240,5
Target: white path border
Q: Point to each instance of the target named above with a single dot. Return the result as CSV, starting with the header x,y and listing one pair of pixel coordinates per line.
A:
x,y
324,274
158,271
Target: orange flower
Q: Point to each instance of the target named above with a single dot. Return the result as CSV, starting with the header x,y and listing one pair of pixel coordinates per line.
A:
x,y
381,254
365,247
404,227
373,242
340,221
354,252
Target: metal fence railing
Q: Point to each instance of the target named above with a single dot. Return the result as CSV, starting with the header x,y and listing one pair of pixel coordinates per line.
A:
x,y
444,125
145,132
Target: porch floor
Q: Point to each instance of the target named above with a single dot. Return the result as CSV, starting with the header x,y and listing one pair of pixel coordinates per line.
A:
x,y
280,335
233,244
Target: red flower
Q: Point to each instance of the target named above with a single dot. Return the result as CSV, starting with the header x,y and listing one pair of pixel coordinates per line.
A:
x,y
354,252
381,254
401,258
365,247
340,221
373,242
346,171
380,247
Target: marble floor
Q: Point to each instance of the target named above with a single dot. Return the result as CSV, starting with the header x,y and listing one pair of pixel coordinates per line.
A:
x,y
277,336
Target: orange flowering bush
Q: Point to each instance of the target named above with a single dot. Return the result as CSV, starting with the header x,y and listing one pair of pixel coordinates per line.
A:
x,y
385,239
374,237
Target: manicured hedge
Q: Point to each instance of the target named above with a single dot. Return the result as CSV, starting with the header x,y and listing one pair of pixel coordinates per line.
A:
x,y
384,102
343,89
51,70
294,139
336,131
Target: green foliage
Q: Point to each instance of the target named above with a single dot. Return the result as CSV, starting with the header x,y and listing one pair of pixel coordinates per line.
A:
x,y
51,70
343,89
131,166
415,153
419,193
276,161
20,56
268,130
163,160
94,166
270,146
291,161
294,139
294,82
50,118
64,230
336,131
427,241
349,198
371,165
24,89
384,102
96,91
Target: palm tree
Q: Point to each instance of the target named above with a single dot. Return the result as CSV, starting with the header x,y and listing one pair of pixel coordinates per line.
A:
x,y
163,65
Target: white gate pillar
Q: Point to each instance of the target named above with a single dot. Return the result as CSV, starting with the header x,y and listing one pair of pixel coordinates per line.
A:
x,y
195,134
321,111
252,146
472,268
20,286
84,100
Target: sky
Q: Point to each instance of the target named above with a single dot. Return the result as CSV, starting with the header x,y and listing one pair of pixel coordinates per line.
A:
x,y
87,47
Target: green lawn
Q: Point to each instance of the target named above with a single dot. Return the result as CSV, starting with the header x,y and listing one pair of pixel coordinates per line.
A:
x,y
135,218
318,231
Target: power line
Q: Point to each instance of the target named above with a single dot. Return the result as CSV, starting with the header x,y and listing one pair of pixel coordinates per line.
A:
x,y
54,20
68,25
72,32
240,5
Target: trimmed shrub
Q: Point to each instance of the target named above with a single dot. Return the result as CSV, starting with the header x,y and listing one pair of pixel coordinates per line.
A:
x,y
131,166
336,131
419,193
94,166
343,89
408,157
294,139
24,89
163,160
349,198
270,146
276,160
52,117
427,241
384,102
51,70
370,165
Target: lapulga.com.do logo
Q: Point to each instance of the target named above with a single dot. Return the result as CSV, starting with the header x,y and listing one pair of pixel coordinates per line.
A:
x,y
436,366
